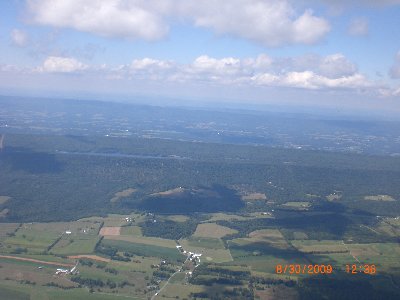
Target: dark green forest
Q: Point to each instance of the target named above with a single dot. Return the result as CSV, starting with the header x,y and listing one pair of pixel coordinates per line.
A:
x,y
53,178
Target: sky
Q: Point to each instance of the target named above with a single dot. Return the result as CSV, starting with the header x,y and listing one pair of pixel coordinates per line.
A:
x,y
340,55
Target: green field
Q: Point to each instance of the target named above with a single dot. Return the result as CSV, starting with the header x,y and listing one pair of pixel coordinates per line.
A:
x,y
8,228
35,240
212,250
13,294
144,250
203,242
152,241
75,245
131,231
308,246
300,205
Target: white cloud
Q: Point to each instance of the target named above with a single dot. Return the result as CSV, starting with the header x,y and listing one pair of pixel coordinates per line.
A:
x,y
208,65
109,18
310,72
394,71
19,38
269,22
358,27
55,64
336,65
355,3
148,63
307,72
310,80
331,66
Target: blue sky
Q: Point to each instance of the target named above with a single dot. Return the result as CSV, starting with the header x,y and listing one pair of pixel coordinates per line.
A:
x,y
300,53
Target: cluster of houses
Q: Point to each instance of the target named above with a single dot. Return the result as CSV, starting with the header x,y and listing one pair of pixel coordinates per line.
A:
x,y
73,271
192,256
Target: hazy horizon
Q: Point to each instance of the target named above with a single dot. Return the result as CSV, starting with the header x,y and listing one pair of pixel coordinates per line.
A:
x,y
308,56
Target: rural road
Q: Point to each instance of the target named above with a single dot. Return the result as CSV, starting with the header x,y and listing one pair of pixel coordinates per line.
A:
x,y
160,290
350,252
37,261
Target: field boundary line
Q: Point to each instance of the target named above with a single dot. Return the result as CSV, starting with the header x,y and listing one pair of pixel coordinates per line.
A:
x,y
36,261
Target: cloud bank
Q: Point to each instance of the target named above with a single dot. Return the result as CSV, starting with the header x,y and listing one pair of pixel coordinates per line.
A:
x,y
268,22
312,72
55,64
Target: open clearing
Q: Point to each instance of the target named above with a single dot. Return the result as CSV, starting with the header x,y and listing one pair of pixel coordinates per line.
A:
x,y
266,234
93,257
334,196
143,240
76,245
143,249
4,199
4,213
297,205
271,237
212,230
110,231
8,228
205,242
385,255
379,198
174,191
181,290
36,261
177,218
33,239
122,194
209,254
254,197
131,231
309,246
225,217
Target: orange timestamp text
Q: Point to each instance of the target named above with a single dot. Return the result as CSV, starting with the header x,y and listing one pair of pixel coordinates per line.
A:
x,y
361,268
293,269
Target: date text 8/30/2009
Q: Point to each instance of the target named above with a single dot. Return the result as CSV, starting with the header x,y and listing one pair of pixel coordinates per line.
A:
x,y
312,269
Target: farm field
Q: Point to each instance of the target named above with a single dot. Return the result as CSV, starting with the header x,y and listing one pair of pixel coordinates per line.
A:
x,y
124,246
74,246
131,231
181,290
212,230
310,246
379,198
144,249
7,229
301,205
143,240
212,250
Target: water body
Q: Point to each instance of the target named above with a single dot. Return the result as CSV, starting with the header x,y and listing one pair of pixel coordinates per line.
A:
x,y
117,154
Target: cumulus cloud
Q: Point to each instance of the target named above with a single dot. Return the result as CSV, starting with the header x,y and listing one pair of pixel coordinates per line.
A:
x,y
109,18
269,22
208,65
356,3
395,69
307,72
336,65
148,63
358,27
19,38
55,64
